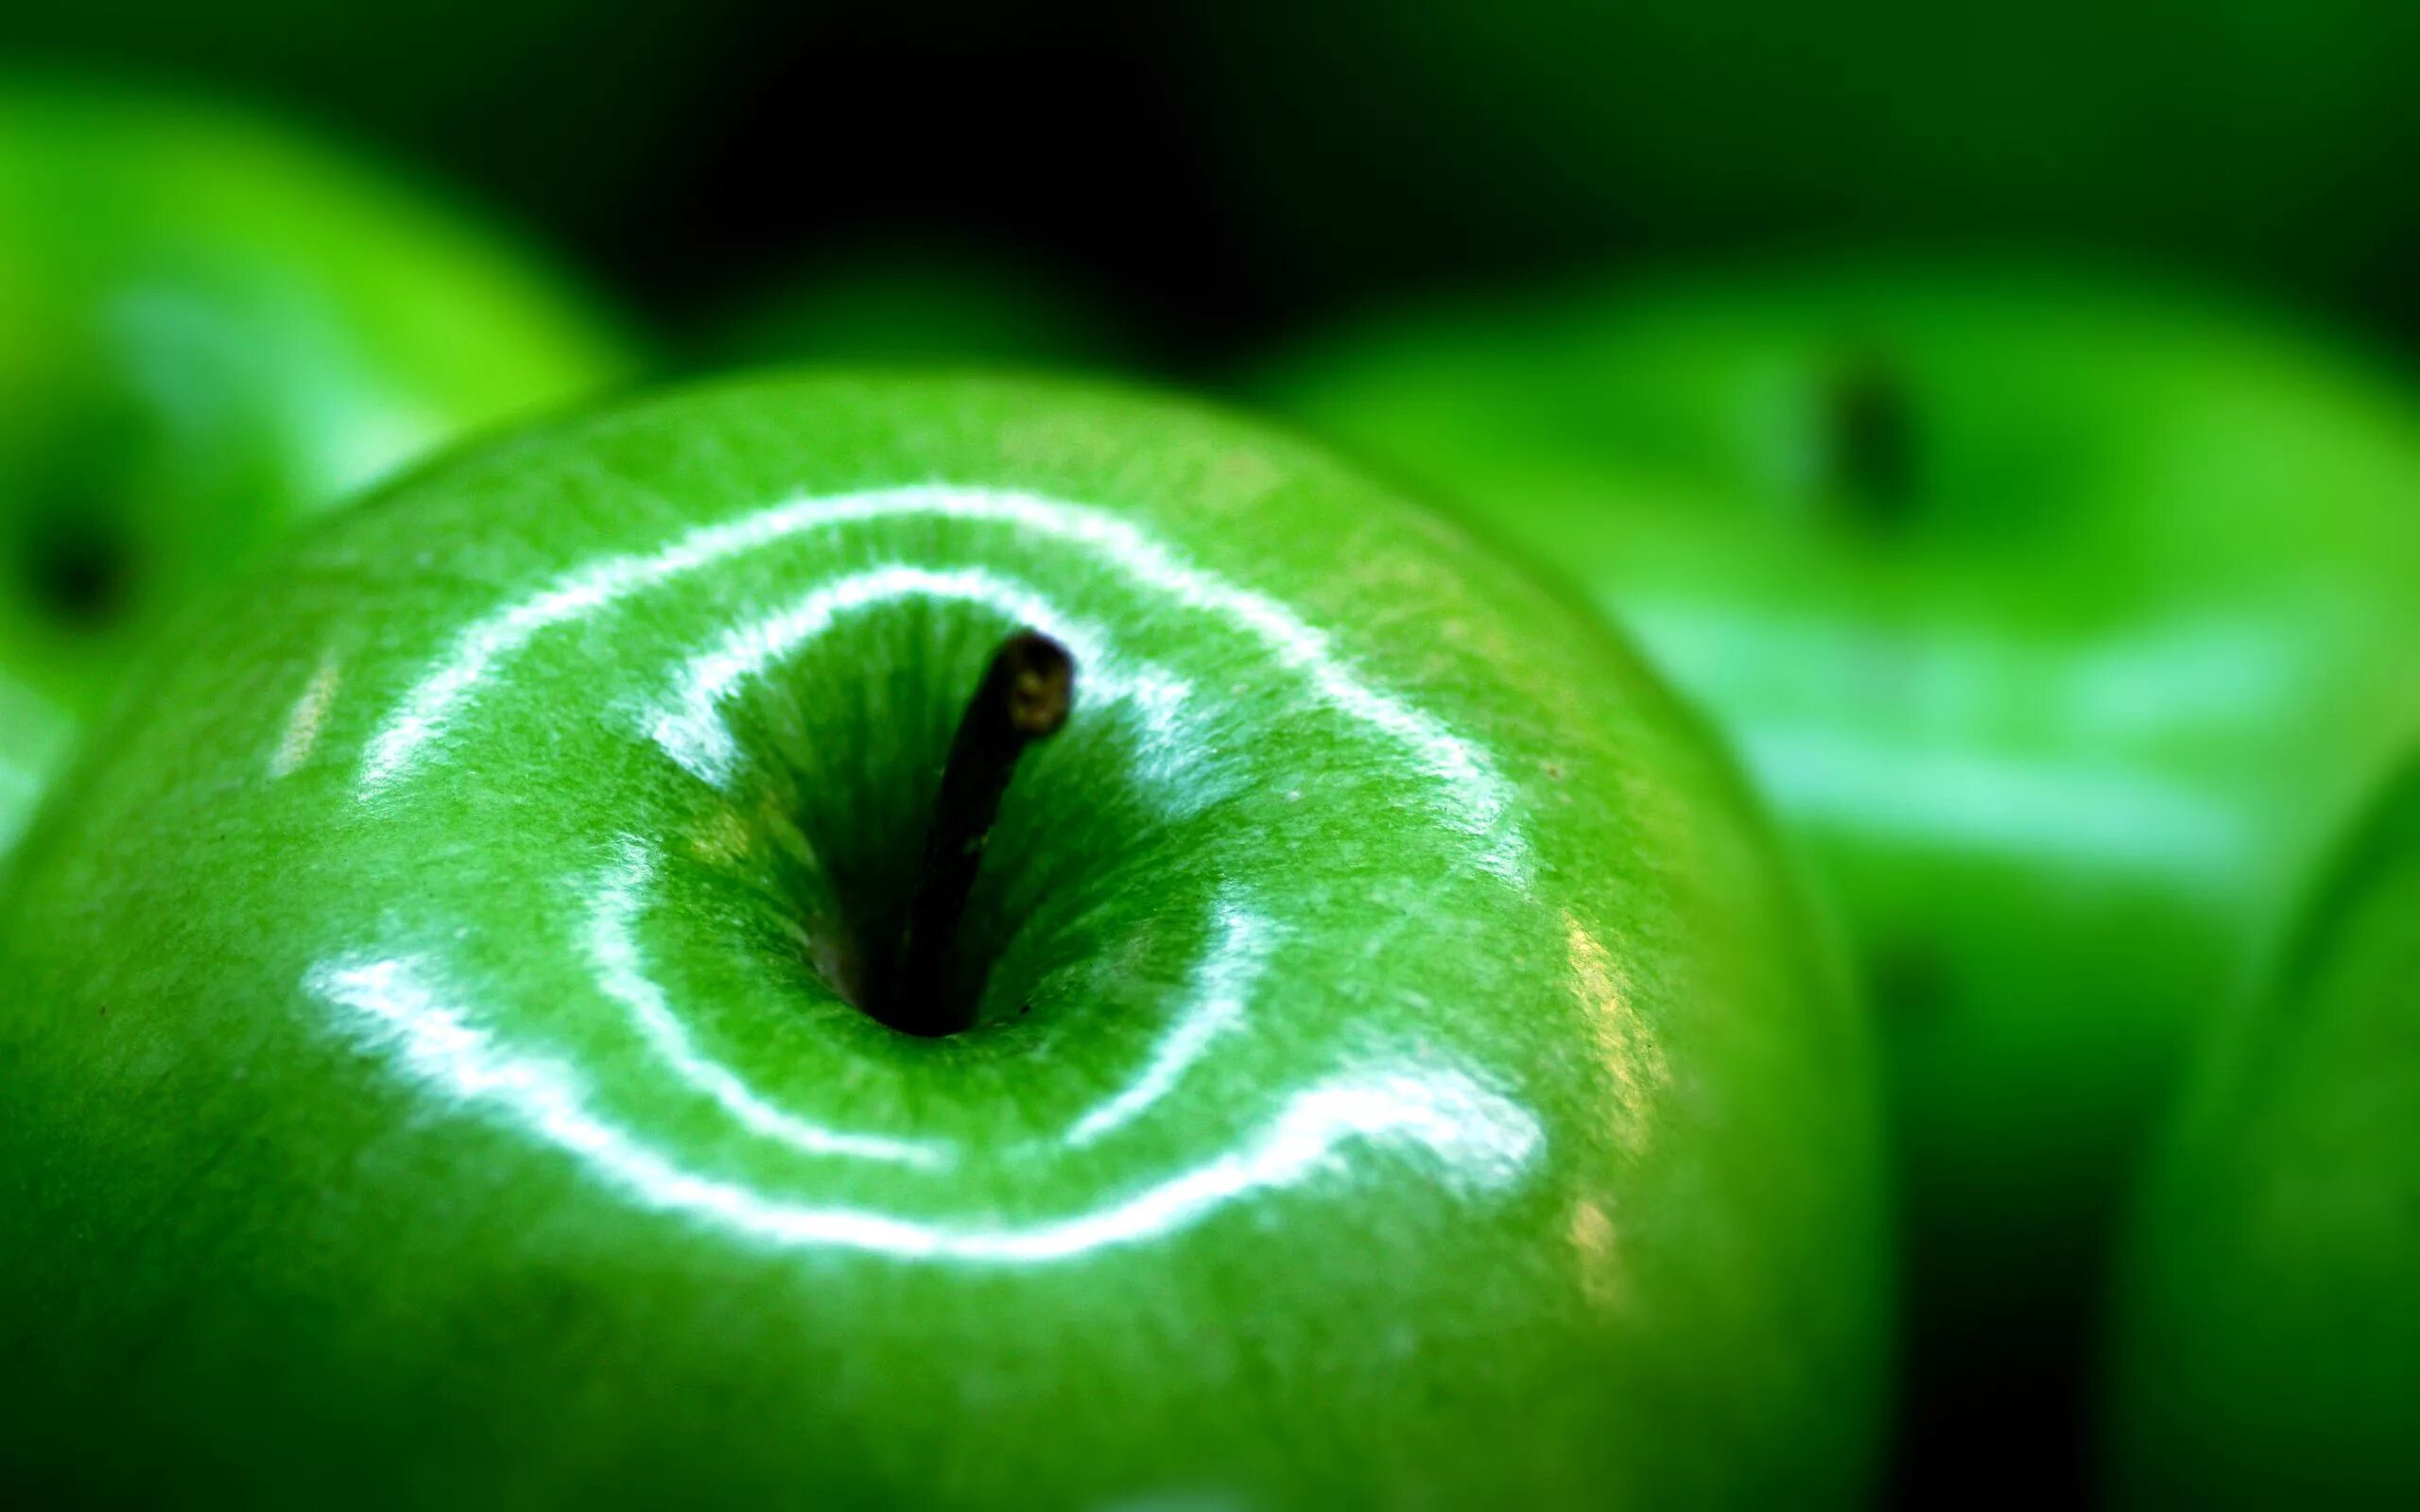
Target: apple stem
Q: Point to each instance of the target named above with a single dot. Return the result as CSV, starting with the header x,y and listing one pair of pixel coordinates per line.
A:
x,y
1873,442
1025,697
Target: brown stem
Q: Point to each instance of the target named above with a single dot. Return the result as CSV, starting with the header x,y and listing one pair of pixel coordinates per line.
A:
x,y
1025,697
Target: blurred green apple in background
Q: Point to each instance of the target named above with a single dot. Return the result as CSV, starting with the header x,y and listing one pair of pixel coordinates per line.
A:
x,y
2269,1340
2065,621
915,303
1418,139
562,109
1401,1069
208,329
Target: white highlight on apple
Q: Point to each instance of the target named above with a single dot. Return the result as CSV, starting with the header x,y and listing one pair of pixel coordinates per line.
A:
x,y
692,731
305,719
1479,1136
1468,785
1220,995
35,736
1220,989
620,972
1482,1139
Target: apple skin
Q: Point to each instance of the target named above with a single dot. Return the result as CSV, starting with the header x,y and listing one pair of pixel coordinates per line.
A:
x,y
2268,1350
207,330
2061,722
1406,1074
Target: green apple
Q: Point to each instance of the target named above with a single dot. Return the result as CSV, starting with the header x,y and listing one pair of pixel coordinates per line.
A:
x,y
910,304
542,103
1400,1069
208,329
2063,621
1385,139
2269,1340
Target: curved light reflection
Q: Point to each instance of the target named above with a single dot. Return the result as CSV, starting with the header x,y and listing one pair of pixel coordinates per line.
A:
x,y
35,736
691,731
306,718
1626,1042
1216,1006
399,1002
1481,1138
620,972
1473,794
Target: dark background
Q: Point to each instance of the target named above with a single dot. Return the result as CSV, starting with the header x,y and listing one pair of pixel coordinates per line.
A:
x,y
1210,175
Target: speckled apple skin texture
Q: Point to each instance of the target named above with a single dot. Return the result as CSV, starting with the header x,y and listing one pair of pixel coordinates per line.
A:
x,y
2268,1343
1407,1075
2066,723
209,329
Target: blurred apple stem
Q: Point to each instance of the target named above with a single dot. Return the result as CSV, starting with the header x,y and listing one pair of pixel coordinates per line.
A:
x,y
1873,460
1025,697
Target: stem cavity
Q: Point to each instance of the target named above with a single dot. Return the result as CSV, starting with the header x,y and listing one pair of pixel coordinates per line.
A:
x,y
1025,695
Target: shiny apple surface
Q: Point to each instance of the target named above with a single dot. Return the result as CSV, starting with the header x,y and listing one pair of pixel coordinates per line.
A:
x,y
1403,1070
